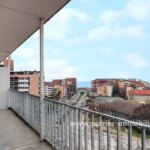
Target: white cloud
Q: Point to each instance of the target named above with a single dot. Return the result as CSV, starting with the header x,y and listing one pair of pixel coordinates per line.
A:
x,y
136,61
99,33
109,16
57,27
107,31
120,74
138,9
56,65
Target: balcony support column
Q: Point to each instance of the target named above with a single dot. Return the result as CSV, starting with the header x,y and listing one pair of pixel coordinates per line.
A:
x,y
8,78
42,114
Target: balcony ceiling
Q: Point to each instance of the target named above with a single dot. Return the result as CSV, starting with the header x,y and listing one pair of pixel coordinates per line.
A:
x,y
19,19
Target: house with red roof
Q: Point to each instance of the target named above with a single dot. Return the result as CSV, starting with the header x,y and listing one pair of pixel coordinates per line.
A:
x,y
139,95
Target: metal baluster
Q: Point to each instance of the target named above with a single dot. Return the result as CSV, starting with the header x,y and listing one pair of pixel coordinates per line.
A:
x,y
108,135
92,132
52,127
66,140
70,128
143,139
62,127
59,109
130,137
100,132
75,130
118,136
55,125
85,131
80,129
49,123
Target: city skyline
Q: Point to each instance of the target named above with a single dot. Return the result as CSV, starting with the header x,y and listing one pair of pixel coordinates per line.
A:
x,y
87,41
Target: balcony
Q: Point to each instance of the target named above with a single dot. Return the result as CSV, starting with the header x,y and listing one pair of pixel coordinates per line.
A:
x,y
65,127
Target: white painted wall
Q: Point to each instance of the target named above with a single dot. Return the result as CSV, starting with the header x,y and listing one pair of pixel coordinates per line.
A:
x,y
3,88
109,90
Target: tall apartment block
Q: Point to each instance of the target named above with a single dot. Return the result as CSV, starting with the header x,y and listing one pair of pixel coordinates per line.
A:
x,y
25,81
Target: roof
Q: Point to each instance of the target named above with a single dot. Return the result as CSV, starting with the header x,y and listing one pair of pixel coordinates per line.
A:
x,y
125,107
49,83
131,80
139,84
56,80
71,79
139,92
19,19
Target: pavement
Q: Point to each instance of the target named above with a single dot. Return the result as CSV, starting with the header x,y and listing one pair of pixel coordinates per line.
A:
x,y
82,99
15,134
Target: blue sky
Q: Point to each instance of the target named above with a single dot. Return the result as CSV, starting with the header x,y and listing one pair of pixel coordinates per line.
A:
x,y
91,39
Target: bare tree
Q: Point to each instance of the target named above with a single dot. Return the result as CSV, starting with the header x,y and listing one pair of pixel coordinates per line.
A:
x,y
141,113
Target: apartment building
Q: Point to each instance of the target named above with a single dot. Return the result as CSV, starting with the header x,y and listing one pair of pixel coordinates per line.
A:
x,y
48,88
123,83
105,89
5,63
25,81
66,86
139,95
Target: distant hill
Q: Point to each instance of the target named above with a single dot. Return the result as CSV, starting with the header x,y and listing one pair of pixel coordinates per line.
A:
x,y
84,84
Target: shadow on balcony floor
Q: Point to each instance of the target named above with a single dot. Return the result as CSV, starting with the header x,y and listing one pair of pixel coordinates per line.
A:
x,y
17,135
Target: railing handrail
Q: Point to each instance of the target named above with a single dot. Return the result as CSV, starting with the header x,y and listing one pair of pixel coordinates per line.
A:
x,y
57,123
101,114
90,111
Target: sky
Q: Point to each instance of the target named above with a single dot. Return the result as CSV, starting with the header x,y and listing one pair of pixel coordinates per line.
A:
x,y
91,39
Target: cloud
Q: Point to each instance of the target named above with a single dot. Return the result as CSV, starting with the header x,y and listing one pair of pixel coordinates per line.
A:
x,y
106,31
58,27
109,16
120,74
136,61
55,64
138,9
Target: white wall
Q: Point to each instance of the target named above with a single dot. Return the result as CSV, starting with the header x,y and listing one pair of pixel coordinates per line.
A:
x,y
109,90
3,88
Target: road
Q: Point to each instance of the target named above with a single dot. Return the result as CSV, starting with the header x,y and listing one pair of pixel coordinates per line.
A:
x,y
82,99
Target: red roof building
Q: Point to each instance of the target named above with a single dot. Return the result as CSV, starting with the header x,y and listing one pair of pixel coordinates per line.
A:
x,y
139,92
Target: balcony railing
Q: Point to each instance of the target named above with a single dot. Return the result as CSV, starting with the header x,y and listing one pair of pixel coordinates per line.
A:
x,y
71,127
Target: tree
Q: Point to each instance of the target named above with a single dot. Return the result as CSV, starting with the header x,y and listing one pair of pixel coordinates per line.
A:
x,y
122,93
116,88
55,94
57,97
141,113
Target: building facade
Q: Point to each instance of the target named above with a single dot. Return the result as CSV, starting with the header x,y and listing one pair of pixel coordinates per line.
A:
x,y
66,86
25,81
124,84
105,89
139,95
5,63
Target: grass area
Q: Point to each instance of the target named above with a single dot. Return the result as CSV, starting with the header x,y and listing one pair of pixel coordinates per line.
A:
x,y
134,101
137,134
80,96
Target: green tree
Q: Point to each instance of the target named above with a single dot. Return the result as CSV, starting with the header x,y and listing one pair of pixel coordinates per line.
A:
x,y
57,97
55,94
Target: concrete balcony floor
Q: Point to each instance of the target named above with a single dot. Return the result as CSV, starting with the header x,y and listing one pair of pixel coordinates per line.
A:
x,y
15,134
